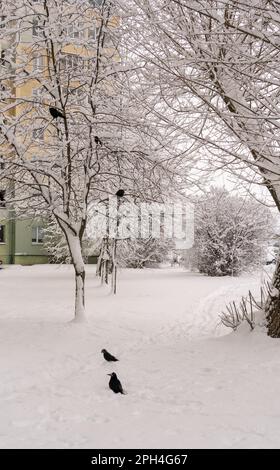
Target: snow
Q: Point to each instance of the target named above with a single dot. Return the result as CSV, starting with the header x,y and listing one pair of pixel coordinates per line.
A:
x,y
190,384
274,292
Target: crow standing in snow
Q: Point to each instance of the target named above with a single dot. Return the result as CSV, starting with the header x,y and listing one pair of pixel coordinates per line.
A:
x,y
120,193
56,113
108,357
115,384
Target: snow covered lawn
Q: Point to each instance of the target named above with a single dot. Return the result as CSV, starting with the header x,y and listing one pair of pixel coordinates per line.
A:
x,y
188,386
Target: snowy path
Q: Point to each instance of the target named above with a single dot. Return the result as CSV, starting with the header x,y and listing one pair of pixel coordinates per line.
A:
x,y
186,388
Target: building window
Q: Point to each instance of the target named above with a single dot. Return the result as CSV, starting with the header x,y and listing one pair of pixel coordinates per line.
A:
x,y
2,88
77,95
37,28
90,63
2,198
3,61
2,21
37,95
2,233
37,234
96,3
71,61
75,31
93,32
38,62
37,160
38,134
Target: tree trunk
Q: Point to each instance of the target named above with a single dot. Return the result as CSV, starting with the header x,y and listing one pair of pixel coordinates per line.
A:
x,y
80,294
75,248
272,307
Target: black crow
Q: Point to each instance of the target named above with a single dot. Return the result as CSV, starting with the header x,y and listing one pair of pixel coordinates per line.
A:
x,y
120,193
115,384
56,113
97,140
108,357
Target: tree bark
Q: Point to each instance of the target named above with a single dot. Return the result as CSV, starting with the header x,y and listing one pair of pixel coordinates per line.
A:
x,y
75,247
272,307
80,276
74,242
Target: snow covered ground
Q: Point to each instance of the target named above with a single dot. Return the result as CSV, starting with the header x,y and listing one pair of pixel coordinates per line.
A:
x,y
188,384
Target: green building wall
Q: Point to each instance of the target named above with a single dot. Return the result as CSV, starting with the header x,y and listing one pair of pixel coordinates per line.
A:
x,y
27,252
18,247
7,248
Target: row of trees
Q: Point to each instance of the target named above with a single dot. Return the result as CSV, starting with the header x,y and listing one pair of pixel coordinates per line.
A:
x,y
232,235
215,66
71,131
161,90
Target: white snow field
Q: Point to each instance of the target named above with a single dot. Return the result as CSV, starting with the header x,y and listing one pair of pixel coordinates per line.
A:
x,y
188,386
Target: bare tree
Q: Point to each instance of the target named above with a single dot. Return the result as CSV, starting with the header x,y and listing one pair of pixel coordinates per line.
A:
x,y
69,134
73,130
215,66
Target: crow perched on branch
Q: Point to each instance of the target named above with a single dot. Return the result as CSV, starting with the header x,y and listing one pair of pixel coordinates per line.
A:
x,y
120,193
115,384
97,140
108,357
56,113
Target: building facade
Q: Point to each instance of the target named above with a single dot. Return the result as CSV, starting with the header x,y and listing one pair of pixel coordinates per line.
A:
x,y
21,240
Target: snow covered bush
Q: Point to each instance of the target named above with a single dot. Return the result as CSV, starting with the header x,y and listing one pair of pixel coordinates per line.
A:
x,y
230,233
142,252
